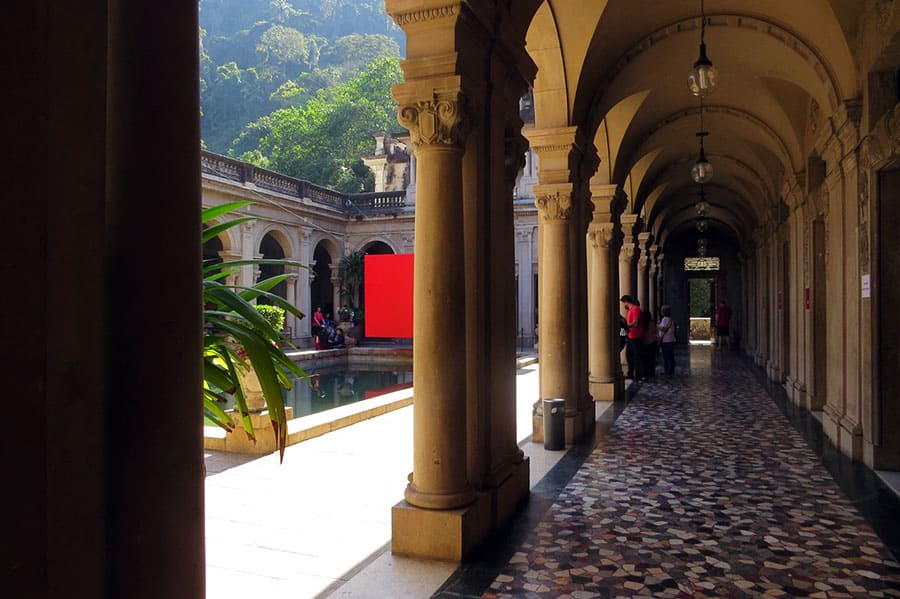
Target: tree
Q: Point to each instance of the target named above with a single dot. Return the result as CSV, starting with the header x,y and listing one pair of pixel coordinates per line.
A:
x,y
323,139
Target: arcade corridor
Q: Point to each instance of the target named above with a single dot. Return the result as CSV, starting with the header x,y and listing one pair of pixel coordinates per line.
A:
x,y
705,485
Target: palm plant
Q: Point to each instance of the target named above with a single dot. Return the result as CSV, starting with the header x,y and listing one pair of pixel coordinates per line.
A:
x,y
351,273
238,337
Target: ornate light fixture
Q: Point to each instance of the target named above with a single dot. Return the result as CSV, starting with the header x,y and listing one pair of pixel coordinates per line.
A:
x,y
701,247
702,171
702,205
702,225
704,77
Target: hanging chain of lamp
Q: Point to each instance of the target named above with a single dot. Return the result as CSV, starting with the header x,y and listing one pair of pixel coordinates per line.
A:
x,y
704,77
702,82
702,171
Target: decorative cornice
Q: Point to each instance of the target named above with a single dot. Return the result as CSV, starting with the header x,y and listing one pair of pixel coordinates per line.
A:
x,y
429,14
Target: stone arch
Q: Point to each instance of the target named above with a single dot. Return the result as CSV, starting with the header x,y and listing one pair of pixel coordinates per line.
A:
x,y
270,248
378,246
550,85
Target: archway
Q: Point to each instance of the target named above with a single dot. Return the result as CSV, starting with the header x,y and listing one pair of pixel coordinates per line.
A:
x,y
321,288
272,250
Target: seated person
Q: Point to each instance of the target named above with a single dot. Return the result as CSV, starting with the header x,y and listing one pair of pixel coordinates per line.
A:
x,y
338,341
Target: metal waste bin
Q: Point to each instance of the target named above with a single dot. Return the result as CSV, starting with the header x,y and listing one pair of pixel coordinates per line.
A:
x,y
554,424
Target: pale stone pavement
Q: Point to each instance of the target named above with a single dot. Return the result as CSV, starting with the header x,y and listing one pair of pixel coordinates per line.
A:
x,y
305,527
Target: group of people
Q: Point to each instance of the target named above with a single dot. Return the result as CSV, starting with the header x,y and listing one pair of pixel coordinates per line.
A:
x,y
326,333
644,338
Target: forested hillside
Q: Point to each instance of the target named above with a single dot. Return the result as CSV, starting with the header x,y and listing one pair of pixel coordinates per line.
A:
x,y
299,86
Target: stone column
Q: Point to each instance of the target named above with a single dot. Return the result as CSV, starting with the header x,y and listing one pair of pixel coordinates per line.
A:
x,y
626,257
229,256
291,292
643,295
335,292
653,304
554,210
304,327
660,280
603,330
438,480
526,285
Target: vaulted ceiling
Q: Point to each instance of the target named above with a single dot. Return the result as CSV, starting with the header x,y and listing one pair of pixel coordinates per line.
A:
x,y
617,69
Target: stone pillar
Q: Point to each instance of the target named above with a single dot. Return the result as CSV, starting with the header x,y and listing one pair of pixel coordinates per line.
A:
x,y
626,257
526,286
304,328
554,210
604,379
438,480
336,300
291,297
653,304
249,272
660,280
229,256
643,262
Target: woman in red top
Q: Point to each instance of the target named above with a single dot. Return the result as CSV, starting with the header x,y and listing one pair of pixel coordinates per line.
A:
x,y
635,340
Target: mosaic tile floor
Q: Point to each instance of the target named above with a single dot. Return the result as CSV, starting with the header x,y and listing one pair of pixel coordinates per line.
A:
x,y
702,489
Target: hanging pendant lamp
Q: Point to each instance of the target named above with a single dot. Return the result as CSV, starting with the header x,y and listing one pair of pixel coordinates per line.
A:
x,y
702,171
704,76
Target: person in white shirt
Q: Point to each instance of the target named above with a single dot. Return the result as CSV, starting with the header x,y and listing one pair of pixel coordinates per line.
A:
x,y
666,328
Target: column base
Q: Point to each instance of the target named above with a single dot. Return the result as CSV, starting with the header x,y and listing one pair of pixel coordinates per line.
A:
x,y
440,534
507,496
606,389
845,434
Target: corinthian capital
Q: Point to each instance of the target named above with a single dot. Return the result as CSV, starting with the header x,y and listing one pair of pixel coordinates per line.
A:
x,y
434,122
554,206
601,236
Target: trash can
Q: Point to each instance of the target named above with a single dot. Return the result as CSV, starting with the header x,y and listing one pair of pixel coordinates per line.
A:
x,y
554,424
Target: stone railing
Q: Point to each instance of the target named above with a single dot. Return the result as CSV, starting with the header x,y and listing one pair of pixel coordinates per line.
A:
x,y
352,204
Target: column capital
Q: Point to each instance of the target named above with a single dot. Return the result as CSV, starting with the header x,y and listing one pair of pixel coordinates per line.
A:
x,y
644,240
604,198
627,252
435,121
554,202
601,236
515,145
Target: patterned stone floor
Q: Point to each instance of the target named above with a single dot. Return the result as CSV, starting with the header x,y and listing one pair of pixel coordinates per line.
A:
x,y
702,489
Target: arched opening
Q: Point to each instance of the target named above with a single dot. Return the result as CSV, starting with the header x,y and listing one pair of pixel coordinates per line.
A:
x,y
212,250
321,288
272,250
378,248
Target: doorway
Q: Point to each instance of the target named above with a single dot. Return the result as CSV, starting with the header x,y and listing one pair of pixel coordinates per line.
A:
x,y
701,303
886,413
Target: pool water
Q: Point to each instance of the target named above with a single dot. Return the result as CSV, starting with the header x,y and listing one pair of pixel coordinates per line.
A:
x,y
340,386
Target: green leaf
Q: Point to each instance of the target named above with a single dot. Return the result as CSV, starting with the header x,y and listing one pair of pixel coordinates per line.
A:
x,y
215,230
214,212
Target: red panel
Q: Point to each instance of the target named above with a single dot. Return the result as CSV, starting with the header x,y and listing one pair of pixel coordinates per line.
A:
x,y
389,295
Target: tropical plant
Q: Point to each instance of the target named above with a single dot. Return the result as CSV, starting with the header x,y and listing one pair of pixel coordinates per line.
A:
x,y
237,336
351,274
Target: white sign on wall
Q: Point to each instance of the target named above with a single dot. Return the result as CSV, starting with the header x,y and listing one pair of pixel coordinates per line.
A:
x,y
867,285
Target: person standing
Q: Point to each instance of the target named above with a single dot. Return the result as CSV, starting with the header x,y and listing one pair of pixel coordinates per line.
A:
x,y
635,340
651,344
723,322
666,328
318,321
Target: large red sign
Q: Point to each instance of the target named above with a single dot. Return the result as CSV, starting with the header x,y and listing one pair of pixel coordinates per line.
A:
x,y
389,295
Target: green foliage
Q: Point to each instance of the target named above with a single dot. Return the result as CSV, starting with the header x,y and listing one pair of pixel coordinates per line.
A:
x,y
700,298
351,274
261,55
323,139
273,315
238,335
